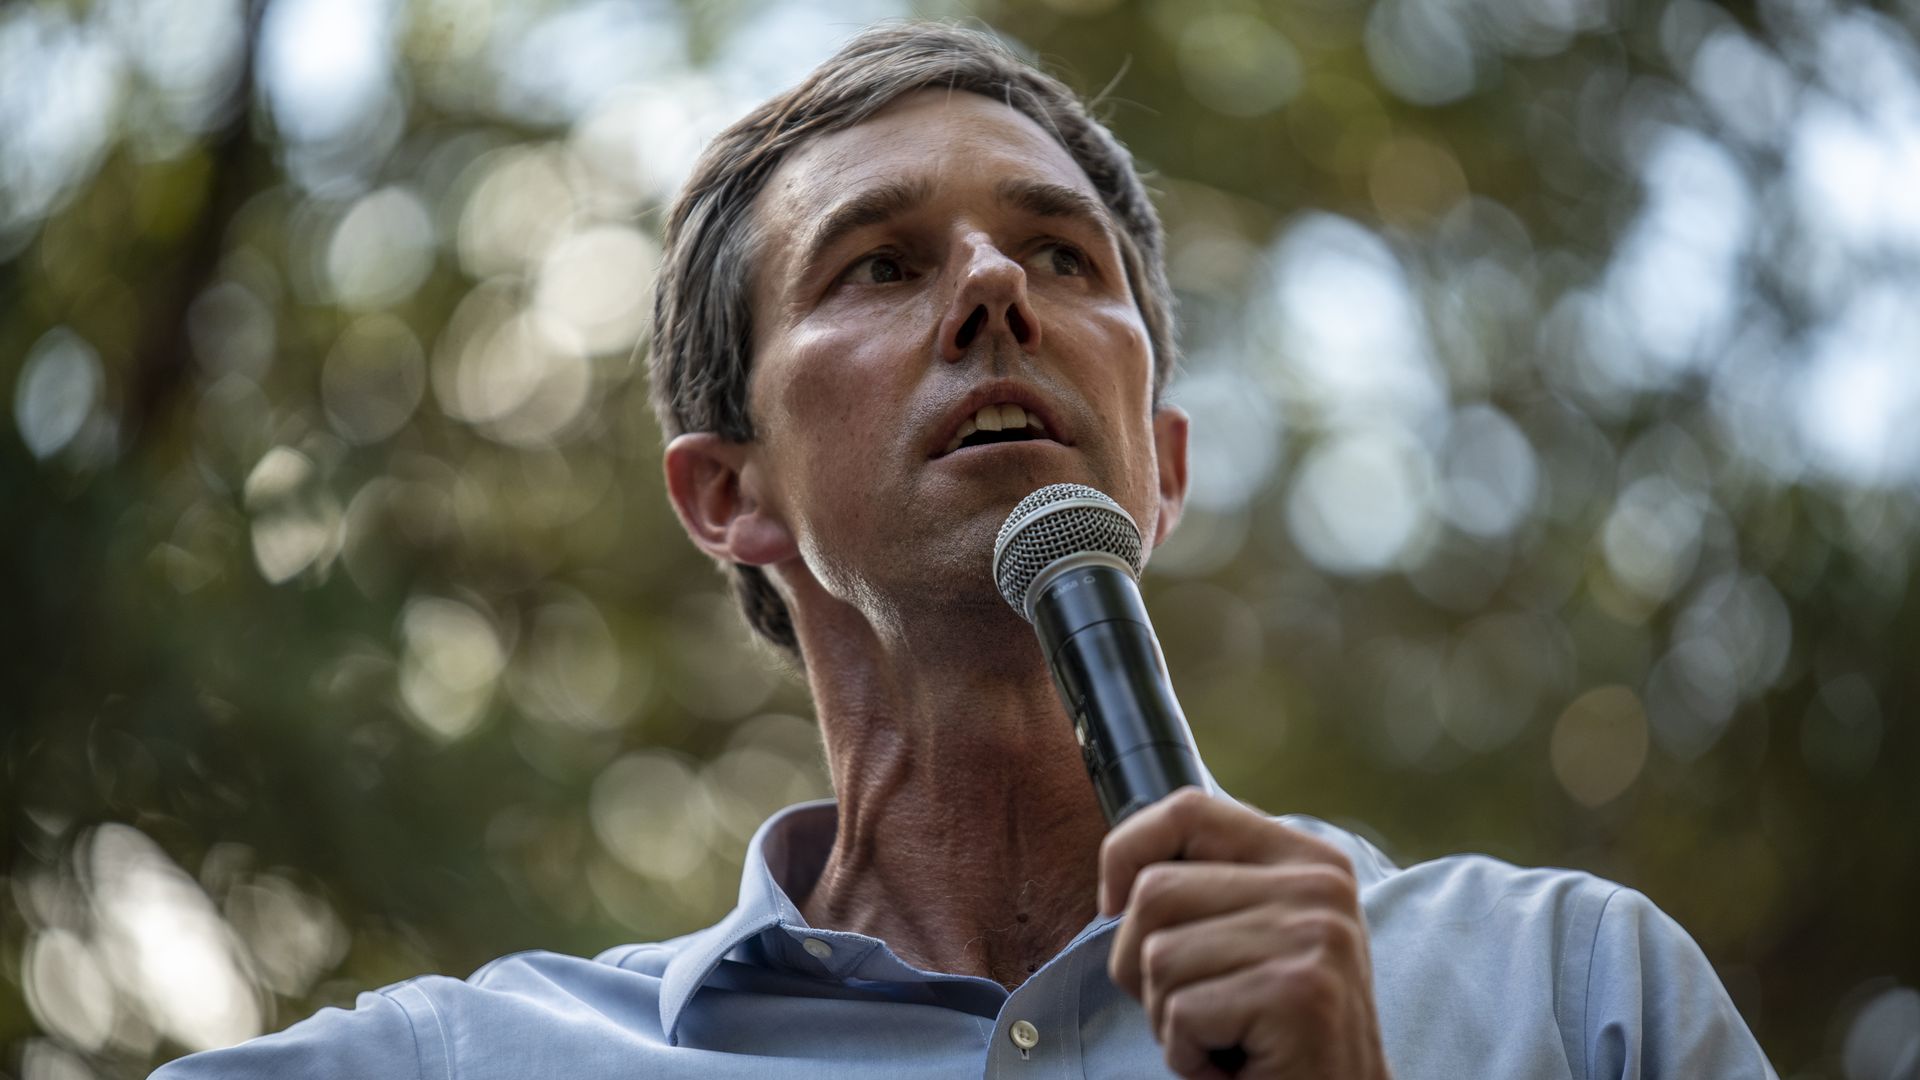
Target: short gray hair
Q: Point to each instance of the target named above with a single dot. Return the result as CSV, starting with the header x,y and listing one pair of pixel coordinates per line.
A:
x,y
702,351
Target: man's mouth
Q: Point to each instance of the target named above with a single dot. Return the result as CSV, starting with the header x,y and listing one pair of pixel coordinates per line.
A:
x,y
997,424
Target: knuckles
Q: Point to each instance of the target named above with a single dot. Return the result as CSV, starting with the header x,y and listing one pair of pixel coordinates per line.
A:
x,y
1330,886
1188,803
1332,935
1308,992
1179,1015
1154,889
1156,957
1184,811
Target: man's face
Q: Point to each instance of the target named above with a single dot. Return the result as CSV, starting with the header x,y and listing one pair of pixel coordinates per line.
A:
x,y
944,256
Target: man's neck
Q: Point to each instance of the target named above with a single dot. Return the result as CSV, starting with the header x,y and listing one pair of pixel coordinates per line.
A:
x,y
968,835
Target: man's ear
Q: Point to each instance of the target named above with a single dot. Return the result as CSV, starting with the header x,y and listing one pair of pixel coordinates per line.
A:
x,y
717,488
1170,454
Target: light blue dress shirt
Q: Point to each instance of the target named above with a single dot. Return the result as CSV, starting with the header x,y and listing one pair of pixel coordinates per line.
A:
x,y
1481,969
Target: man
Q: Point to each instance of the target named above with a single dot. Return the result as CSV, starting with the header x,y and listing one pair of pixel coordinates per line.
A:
x,y
923,244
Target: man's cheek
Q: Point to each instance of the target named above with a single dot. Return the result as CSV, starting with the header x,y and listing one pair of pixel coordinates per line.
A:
x,y
820,405
843,491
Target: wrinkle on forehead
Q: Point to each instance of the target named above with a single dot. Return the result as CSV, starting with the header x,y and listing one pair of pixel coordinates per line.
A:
x,y
844,156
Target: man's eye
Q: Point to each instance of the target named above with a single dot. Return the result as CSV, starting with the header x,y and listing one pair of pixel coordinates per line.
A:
x,y
877,270
1067,260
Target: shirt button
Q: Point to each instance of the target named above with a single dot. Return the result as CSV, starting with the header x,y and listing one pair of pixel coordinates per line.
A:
x,y
816,948
1024,1035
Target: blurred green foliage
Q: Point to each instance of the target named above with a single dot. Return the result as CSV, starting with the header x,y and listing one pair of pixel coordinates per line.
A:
x,y
1553,367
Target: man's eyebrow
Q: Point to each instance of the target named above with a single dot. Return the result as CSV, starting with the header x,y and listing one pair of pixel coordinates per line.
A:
x,y
872,206
887,200
1044,199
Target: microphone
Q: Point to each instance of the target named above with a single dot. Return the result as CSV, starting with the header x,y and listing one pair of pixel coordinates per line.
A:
x,y
1068,559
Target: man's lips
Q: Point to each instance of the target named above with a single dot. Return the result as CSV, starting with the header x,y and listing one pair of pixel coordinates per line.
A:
x,y
985,413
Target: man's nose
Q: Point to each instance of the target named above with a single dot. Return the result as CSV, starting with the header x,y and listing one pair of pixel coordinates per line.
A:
x,y
991,299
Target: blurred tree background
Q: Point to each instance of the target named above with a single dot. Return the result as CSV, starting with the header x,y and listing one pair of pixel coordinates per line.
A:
x,y
1555,367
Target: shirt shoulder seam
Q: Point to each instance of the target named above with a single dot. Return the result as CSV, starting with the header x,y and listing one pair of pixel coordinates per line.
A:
x,y
1586,997
446,1046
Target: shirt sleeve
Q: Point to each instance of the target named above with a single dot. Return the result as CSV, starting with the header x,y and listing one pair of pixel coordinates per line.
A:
x,y
1655,1008
376,1040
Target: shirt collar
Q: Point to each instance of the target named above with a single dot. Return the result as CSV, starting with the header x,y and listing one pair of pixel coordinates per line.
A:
x,y
790,847
787,852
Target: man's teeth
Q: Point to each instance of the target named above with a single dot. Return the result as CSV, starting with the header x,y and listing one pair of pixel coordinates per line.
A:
x,y
998,418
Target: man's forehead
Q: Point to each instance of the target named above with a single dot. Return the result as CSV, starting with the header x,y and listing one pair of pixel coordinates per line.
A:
x,y
903,136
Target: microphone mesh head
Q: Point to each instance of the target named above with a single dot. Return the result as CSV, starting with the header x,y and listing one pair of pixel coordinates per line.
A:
x,y
1056,521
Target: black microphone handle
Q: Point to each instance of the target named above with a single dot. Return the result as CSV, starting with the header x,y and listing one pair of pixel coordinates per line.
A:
x,y
1113,681
1107,665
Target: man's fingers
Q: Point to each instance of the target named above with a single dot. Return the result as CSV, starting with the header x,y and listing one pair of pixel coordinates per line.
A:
x,y
1214,1014
1190,824
1240,932
1180,956
1170,894
1173,894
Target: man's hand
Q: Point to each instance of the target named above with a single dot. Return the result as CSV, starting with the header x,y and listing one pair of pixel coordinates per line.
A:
x,y
1253,939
